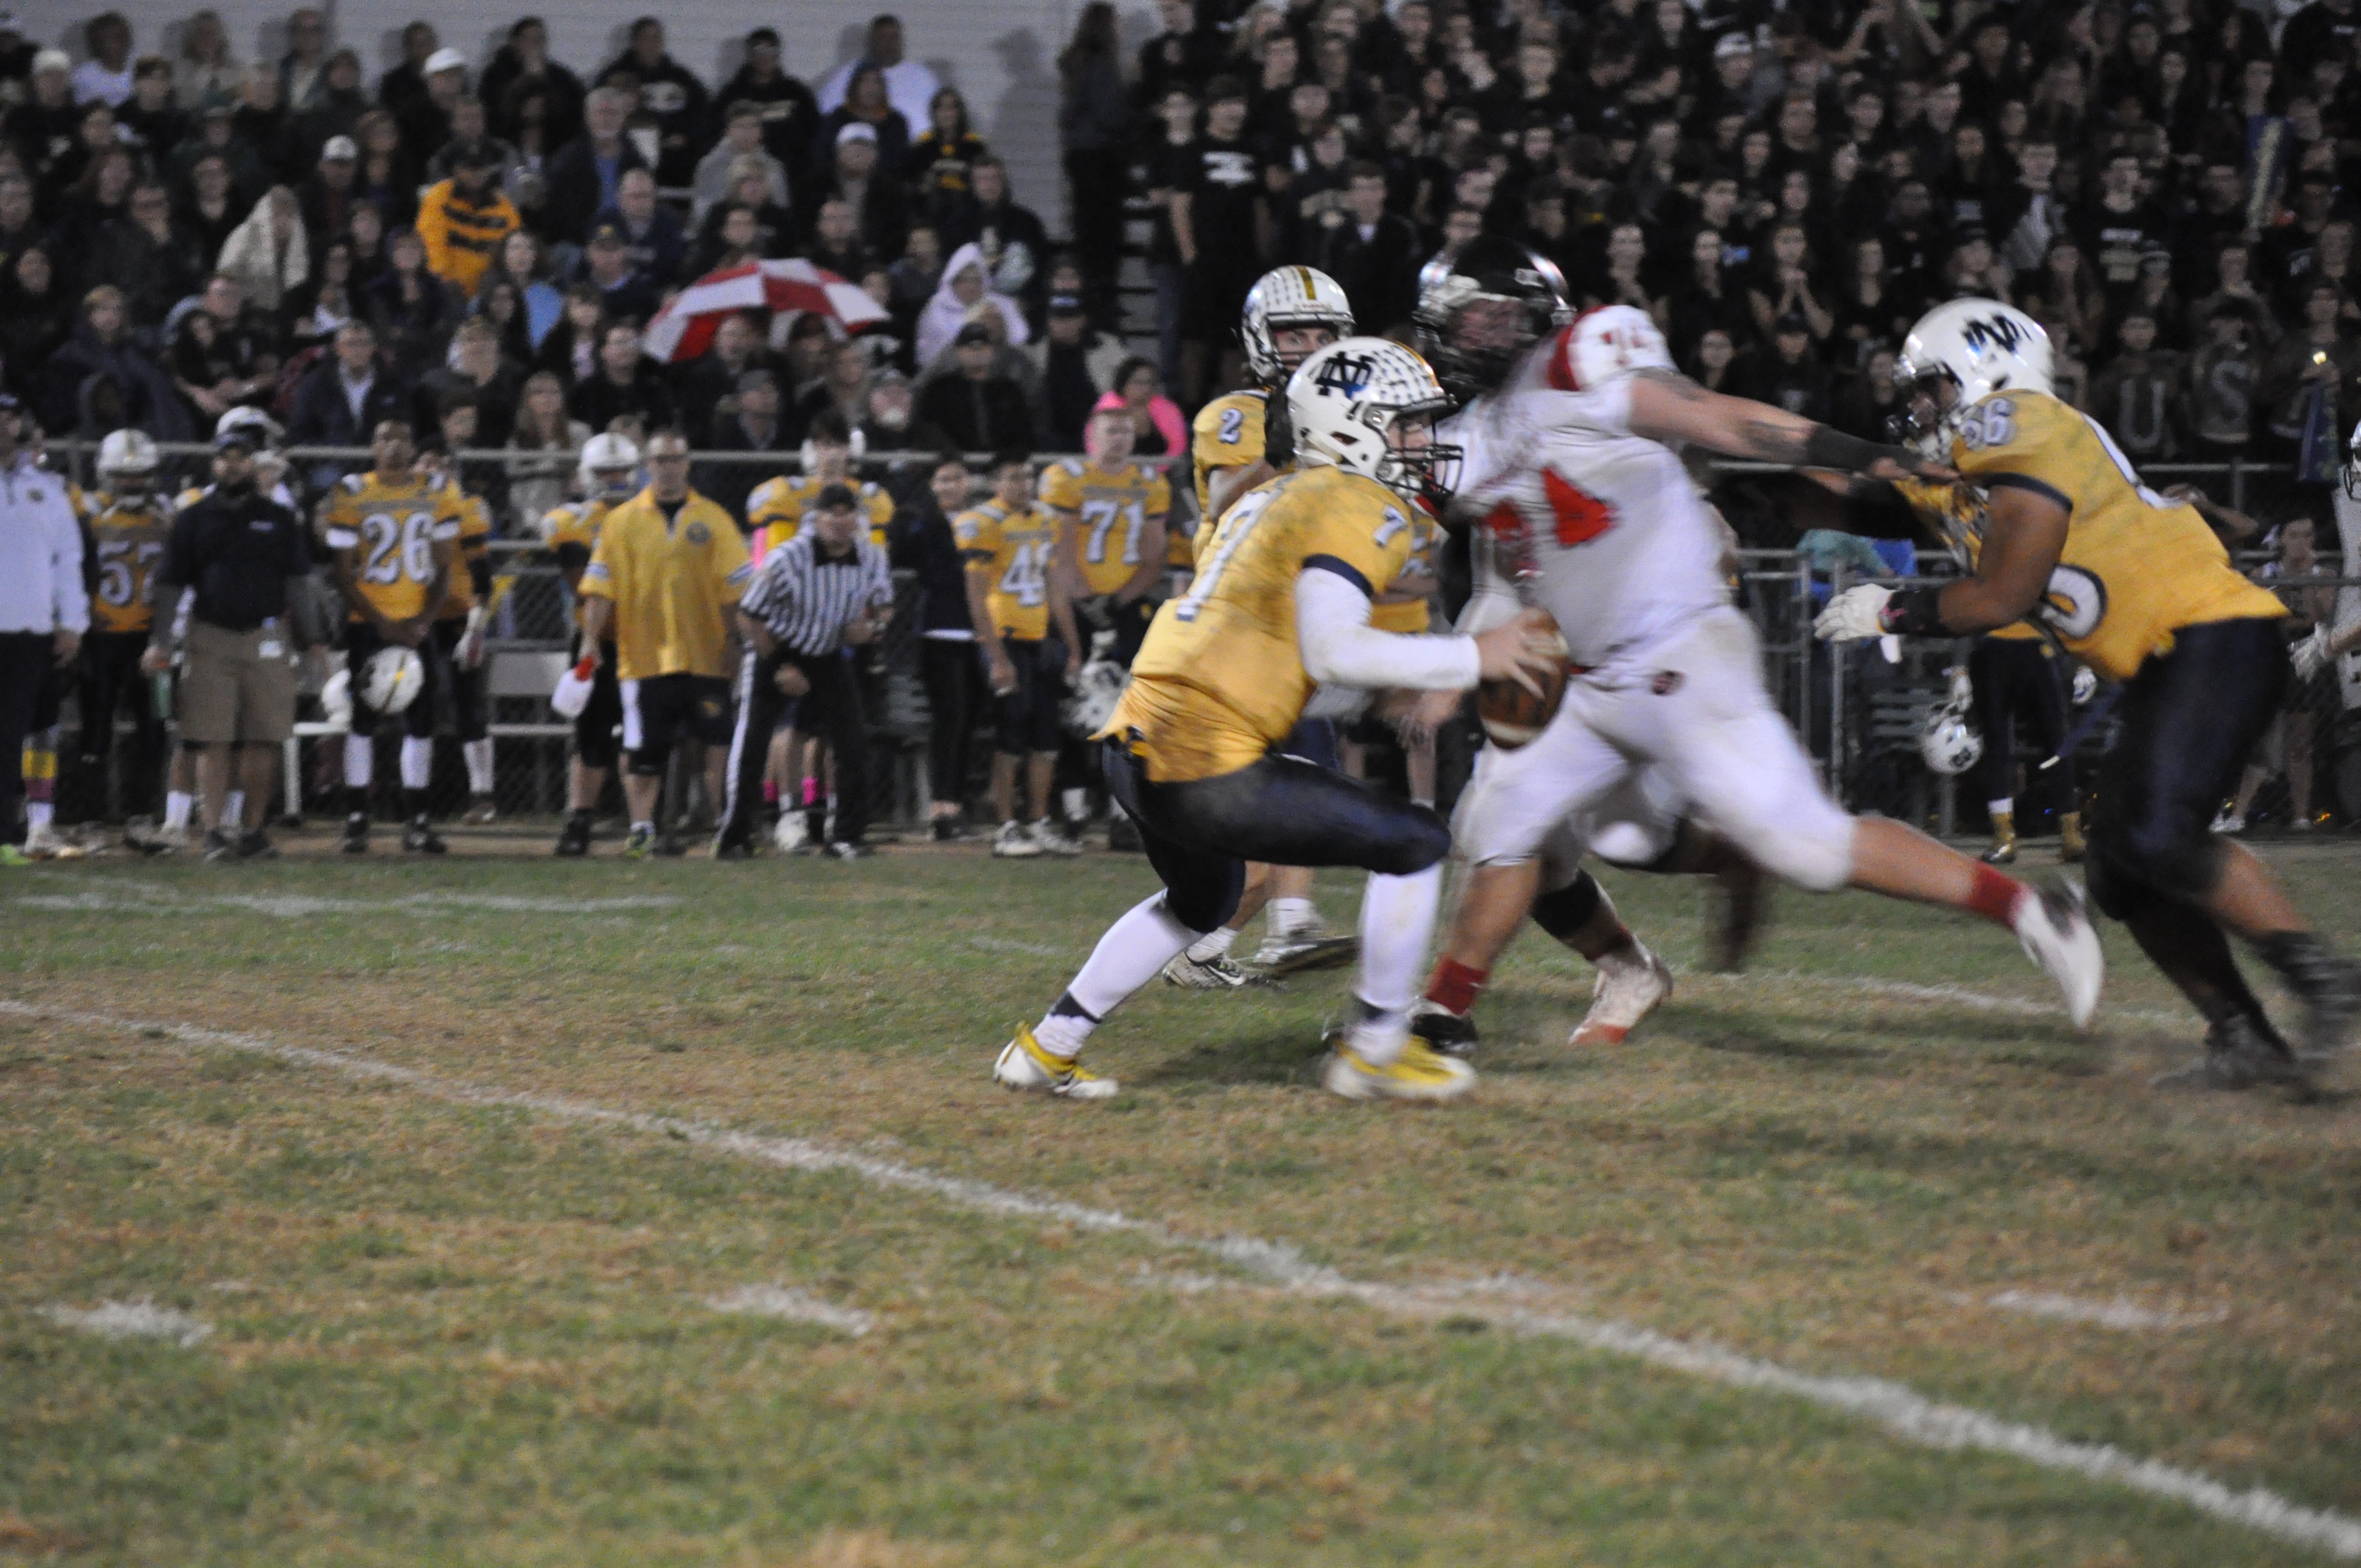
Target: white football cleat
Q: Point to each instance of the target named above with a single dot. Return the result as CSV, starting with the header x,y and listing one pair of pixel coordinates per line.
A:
x,y
1312,947
1053,839
1014,842
1024,1065
1629,988
2056,934
789,836
46,843
1420,1073
1211,974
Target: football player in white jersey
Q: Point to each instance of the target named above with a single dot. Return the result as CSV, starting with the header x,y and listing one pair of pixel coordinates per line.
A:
x,y
1572,478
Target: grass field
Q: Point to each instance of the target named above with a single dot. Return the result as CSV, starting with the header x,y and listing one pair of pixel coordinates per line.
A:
x,y
518,1211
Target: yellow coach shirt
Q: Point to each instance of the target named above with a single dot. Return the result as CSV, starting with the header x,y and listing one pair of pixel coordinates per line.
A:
x,y
672,584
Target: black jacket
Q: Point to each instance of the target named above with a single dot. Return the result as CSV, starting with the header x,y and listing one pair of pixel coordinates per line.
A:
x,y
323,417
1379,275
921,541
575,195
990,415
239,552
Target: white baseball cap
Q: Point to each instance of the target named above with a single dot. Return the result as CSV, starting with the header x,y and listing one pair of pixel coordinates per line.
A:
x,y
52,59
340,149
445,59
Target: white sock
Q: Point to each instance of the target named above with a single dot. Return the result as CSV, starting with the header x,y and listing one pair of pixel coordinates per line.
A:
x,y
234,810
1133,950
39,813
2007,802
177,806
1289,915
1212,945
643,827
360,761
417,762
479,764
1397,922
1064,1033
1078,803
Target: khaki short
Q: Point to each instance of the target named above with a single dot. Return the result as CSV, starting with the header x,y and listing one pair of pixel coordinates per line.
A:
x,y
236,686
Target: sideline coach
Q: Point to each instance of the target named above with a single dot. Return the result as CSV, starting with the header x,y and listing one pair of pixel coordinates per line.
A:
x,y
236,550
44,605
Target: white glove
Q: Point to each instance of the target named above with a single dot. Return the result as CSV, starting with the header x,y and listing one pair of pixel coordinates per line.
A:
x,y
470,654
2086,683
2311,656
1852,614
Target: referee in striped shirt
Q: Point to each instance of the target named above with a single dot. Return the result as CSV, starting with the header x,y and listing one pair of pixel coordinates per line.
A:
x,y
820,595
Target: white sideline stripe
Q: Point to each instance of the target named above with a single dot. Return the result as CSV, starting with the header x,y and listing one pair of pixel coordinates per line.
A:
x,y
1900,1410
131,1320
2118,1313
153,898
777,1302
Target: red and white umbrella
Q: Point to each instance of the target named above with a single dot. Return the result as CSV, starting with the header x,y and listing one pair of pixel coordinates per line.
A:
x,y
684,329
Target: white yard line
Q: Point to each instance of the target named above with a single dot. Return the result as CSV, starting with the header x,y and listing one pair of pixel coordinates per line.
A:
x,y
127,897
777,1302
131,1320
2119,1313
1899,1410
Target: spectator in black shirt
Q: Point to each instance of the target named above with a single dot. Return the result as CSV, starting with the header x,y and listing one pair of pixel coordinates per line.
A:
x,y
836,240
242,553
748,419
1074,366
790,112
921,541
1373,254
345,397
1794,377
1219,227
980,411
718,375
670,92
854,176
621,387
1185,55
523,61
582,177
154,263
220,359
478,368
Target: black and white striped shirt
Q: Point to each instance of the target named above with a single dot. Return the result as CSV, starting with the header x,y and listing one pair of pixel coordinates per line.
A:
x,y
805,597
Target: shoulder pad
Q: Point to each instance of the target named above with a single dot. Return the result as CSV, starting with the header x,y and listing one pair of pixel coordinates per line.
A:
x,y
1073,466
354,484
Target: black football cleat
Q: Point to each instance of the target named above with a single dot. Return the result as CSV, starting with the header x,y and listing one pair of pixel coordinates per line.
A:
x,y
573,839
2241,1053
418,838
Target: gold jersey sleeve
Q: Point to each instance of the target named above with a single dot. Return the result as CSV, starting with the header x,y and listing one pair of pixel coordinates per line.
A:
x,y
879,507
1402,606
1220,678
2136,567
127,541
474,545
774,512
1111,514
1018,552
1228,434
393,528
1956,510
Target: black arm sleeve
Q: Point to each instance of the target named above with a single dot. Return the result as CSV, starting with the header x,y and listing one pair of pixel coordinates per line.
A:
x,y
573,557
479,572
1831,448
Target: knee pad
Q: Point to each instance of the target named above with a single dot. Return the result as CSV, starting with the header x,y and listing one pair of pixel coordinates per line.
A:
x,y
1567,909
648,761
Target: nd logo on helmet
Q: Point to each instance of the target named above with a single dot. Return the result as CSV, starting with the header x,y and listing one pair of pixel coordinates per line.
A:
x,y
1346,374
1994,332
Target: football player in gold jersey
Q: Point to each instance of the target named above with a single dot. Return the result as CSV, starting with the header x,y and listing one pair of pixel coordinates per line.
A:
x,y
1280,605
127,529
1025,633
2137,587
610,476
775,511
1114,510
1290,313
459,623
395,534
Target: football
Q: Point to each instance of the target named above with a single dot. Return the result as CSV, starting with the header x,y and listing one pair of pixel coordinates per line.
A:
x,y
1514,717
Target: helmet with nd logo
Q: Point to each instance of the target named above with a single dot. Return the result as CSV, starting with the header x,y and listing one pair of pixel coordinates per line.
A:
x,y
1368,406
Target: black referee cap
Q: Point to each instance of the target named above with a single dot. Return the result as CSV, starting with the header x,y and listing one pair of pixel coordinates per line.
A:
x,y
831,497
